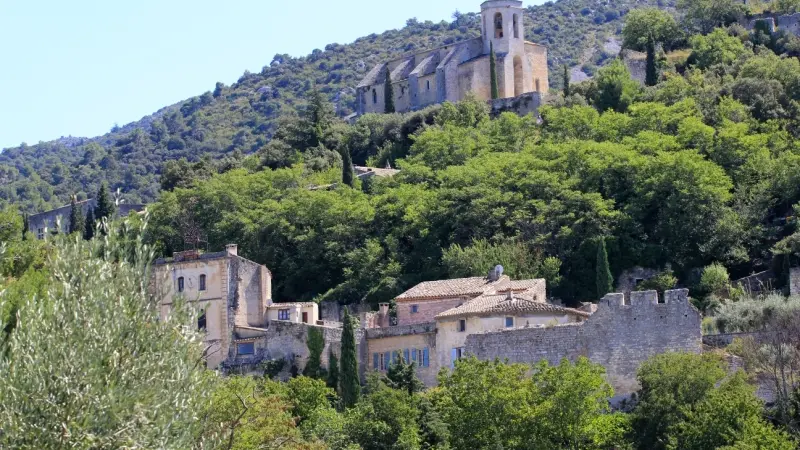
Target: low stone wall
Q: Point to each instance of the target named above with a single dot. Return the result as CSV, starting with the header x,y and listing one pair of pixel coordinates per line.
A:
x,y
618,336
522,105
723,340
402,330
288,341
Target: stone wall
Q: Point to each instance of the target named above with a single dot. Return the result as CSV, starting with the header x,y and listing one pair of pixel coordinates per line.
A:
x,y
288,341
523,105
794,281
426,309
619,336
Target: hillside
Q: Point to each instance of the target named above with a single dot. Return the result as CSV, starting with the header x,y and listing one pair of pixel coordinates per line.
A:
x,y
241,118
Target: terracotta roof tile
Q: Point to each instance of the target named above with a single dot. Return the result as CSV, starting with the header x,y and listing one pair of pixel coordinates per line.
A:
x,y
503,303
451,288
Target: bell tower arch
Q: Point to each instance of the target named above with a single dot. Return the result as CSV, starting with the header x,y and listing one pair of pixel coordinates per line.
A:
x,y
502,25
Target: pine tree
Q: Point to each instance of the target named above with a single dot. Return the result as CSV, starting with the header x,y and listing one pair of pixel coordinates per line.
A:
x,y
75,217
403,375
604,279
105,205
350,383
89,222
333,371
566,81
388,93
493,72
347,167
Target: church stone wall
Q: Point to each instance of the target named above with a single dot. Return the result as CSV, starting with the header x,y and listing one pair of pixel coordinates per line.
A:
x,y
618,336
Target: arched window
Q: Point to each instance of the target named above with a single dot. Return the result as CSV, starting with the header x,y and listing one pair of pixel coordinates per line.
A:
x,y
180,284
498,25
202,282
516,27
201,322
374,96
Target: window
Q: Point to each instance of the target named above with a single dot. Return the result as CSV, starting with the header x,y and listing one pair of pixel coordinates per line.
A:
x,y
40,233
462,325
180,284
516,27
283,314
402,91
414,356
385,361
246,348
202,282
425,357
406,354
374,96
201,322
509,322
428,84
414,309
455,355
305,317
498,26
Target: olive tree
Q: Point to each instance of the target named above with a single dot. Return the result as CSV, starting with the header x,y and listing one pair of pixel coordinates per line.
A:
x,y
90,364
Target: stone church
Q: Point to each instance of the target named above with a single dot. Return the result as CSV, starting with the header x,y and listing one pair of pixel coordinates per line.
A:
x,y
449,73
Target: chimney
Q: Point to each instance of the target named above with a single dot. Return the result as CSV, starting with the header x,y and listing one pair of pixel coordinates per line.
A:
x,y
492,275
232,249
383,313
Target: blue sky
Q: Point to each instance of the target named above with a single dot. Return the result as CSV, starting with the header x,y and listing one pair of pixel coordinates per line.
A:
x,y
78,67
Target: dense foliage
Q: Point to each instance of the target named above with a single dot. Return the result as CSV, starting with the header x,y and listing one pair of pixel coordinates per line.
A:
x,y
216,128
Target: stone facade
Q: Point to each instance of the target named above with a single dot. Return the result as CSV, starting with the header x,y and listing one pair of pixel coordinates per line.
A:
x,y
45,222
452,72
233,299
794,281
619,336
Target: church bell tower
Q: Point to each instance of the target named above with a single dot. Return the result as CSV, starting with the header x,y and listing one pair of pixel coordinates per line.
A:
x,y
501,22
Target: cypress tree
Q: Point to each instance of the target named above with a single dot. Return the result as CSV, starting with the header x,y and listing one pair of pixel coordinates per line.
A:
x,y
604,279
315,344
350,383
493,72
75,217
566,81
388,93
651,71
26,226
333,371
105,206
88,231
347,167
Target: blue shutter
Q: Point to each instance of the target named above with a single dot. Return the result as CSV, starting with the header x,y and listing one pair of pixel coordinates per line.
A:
x,y
453,357
425,357
386,360
405,356
414,355
375,361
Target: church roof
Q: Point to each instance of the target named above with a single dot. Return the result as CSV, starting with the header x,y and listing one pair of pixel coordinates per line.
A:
x,y
373,76
489,304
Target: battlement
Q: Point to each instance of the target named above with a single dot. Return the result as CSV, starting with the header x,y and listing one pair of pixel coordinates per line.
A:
x,y
641,298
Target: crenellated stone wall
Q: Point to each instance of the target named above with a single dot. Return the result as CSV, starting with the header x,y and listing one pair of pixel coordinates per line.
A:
x,y
619,336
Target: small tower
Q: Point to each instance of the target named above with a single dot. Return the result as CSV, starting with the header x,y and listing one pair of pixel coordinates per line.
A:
x,y
502,26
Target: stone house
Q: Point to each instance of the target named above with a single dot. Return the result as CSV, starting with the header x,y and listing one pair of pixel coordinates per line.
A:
x,y
45,222
232,296
434,319
451,72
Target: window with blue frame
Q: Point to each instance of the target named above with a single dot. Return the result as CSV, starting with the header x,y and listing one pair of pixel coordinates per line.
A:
x,y
414,309
509,322
246,348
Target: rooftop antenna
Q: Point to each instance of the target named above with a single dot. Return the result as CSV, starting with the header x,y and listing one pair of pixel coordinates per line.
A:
x,y
498,269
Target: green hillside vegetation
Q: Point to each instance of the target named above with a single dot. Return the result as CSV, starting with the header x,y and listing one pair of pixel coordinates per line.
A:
x,y
221,125
701,168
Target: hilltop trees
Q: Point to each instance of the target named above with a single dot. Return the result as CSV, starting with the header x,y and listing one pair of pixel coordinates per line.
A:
x,y
644,29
